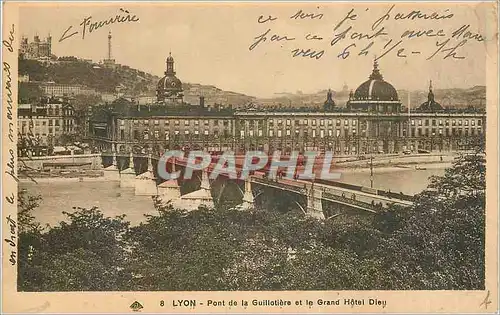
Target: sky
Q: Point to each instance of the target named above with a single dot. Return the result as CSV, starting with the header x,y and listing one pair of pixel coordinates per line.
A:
x,y
210,42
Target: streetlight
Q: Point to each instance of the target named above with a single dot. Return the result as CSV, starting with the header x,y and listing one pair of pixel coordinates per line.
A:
x,y
371,171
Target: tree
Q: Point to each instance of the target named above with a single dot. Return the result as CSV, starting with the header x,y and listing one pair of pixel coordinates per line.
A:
x,y
441,242
85,254
29,92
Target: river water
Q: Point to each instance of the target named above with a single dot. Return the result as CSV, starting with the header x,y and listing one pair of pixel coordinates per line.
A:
x,y
112,200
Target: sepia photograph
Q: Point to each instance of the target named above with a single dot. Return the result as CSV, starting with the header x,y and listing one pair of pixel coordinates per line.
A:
x,y
264,147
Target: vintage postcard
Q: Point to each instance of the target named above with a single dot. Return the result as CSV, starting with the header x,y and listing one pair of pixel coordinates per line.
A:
x,y
174,157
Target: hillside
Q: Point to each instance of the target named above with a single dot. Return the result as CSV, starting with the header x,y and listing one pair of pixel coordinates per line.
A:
x,y
92,75
70,70
133,82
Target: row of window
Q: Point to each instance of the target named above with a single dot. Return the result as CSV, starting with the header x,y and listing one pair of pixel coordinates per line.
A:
x,y
146,135
439,122
177,122
51,130
305,122
51,122
446,132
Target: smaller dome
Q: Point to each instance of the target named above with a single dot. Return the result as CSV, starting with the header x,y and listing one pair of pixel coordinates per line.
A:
x,y
430,104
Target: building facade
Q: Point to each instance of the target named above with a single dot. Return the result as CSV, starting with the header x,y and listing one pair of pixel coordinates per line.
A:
x,y
373,121
59,90
41,125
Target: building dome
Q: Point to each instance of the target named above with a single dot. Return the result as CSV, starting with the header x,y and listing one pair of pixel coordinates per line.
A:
x,y
170,83
376,89
169,88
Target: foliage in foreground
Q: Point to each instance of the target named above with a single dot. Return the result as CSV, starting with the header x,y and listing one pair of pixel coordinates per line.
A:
x,y
438,244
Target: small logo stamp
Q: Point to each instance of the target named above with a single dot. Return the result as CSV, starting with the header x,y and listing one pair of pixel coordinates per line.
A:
x,y
136,306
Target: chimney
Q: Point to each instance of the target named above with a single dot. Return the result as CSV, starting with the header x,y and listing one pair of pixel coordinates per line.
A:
x,y
202,101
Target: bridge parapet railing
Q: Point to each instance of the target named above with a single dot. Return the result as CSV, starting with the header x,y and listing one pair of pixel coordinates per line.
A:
x,y
279,185
351,201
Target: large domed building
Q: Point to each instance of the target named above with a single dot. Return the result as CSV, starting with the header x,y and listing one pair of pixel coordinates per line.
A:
x,y
375,94
169,88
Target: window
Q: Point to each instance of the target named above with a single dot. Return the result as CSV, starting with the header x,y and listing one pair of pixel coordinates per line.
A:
x,y
330,132
279,133
297,122
288,132
306,121
167,122
186,132
427,122
354,123
460,123
337,133
479,122
288,122
57,122
146,122
157,134
330,122
136,134
122,122
167,135
321,122
176,123
420,122
314,122
353,131
176,132
472,122
346,122
314,133
466,122
146,134
453,122
216,122
322,133
206,132
196,132
206,122
447,122
433,122
122,134
260,132
338,122
271,133
280,122
440,122
186,122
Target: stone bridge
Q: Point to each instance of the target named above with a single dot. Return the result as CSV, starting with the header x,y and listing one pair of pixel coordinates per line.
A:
x,y
140,173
